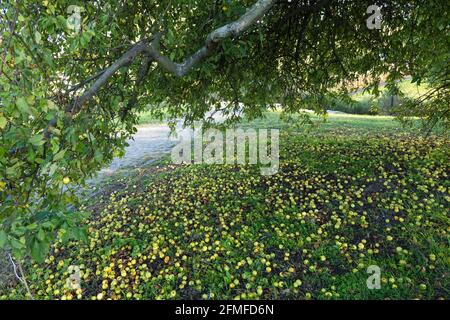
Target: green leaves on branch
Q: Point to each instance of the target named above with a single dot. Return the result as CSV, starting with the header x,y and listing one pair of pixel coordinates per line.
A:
x,y
33,235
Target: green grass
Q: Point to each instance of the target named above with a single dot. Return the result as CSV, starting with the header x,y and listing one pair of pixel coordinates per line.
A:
x,y
337,122
354,192
412,90
367,103
146,117
408,88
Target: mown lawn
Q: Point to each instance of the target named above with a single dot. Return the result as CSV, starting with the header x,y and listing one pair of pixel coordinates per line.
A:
x,y
354,193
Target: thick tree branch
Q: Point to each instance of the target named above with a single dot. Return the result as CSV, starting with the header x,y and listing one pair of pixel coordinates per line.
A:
x,y
256,12
83,83
143,70
126,59
151,48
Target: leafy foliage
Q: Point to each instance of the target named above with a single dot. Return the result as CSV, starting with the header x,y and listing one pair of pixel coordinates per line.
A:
x,y
294,55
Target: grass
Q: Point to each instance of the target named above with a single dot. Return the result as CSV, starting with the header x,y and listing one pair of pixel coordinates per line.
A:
x,y
408,88
343,122
353,193
367,103
146,117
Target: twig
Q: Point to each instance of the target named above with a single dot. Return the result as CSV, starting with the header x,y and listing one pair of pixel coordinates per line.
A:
x,y
21,278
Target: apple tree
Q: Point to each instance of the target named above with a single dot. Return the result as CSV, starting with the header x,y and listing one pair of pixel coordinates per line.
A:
x,y
74,76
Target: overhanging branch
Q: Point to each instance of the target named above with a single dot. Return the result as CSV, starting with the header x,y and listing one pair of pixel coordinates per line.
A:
x,y
256,12
150,47
124,60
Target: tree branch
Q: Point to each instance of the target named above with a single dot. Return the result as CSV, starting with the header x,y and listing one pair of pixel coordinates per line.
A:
x,y
81,84
143,70
151,48
256,12
126,59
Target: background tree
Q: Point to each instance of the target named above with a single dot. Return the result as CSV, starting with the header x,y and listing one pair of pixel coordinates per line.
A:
x,y
75,74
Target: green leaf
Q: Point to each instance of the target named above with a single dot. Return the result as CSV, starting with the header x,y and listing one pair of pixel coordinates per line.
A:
x,y
98,156
39,250
41,235
22,105
30,99
42,215
37,37
82,234
3,122
85,37
3,238
37,140
52,169
17,245
59,155
51,105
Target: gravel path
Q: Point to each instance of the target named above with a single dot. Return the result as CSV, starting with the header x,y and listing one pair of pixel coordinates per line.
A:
x,y
149,143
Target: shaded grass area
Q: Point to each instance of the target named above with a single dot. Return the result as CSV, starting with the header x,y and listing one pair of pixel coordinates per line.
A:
x,y
357,191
